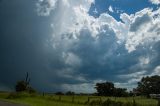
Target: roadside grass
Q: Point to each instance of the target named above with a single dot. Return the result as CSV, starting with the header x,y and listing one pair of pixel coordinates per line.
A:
x,y
36,100
3,95
32,101
55,100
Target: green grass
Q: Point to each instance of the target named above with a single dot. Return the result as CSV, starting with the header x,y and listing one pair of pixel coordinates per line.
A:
x,y
42,102
39,100
53,100
139,100
3,95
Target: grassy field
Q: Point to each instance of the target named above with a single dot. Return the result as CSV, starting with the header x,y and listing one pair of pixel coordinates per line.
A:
x,y
54,100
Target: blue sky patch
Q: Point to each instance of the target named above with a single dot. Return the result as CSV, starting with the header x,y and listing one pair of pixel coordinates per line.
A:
x,y
119,6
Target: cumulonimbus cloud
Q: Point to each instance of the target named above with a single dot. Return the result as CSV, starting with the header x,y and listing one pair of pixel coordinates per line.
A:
x,y
85,41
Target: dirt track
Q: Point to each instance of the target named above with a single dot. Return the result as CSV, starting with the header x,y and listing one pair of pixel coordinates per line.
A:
x,y
2,103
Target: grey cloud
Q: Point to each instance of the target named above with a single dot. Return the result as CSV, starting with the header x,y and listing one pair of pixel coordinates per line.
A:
x,y
44,7
139,21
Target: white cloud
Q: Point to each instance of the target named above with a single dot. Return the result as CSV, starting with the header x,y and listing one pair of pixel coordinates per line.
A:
x,y
156,71
138,29
44,7
126,18
110,9
127,85
155,1
80,88
142,29
71,16
131,79
137,75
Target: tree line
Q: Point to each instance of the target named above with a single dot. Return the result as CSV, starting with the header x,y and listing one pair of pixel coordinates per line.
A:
x,y
146,86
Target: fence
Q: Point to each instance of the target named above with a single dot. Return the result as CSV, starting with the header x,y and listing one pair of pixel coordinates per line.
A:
x,y
93,99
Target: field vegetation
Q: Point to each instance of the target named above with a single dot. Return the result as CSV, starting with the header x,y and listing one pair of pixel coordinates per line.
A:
x,y
75,100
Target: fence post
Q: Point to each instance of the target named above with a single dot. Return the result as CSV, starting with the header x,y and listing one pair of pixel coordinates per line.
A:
x,y
88,100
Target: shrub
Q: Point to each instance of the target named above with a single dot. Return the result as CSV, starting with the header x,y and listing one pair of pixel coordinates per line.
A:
x,y
15,95
24,85
21,86
109,102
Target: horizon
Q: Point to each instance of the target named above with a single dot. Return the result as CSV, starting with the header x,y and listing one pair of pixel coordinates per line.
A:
x,y
70,45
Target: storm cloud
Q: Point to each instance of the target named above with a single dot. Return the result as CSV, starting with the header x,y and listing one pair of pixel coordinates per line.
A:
x,y
63,47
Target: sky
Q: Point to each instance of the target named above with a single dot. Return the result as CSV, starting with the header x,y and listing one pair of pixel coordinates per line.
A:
x,y
70,45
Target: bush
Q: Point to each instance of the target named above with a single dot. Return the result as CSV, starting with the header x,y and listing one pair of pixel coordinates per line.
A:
x,y
21,86
31,90
24,85
15,95
109,102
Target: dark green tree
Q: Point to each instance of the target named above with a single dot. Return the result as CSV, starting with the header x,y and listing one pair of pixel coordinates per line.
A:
x,y
149,85
120,92
21,86
105,89
24,85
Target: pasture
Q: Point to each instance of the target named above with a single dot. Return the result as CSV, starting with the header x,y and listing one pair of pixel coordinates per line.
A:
x,y
77,100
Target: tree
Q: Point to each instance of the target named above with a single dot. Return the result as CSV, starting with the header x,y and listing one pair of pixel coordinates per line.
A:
x,y
24,85
120,92
70,93
105,89
21,86
149,85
